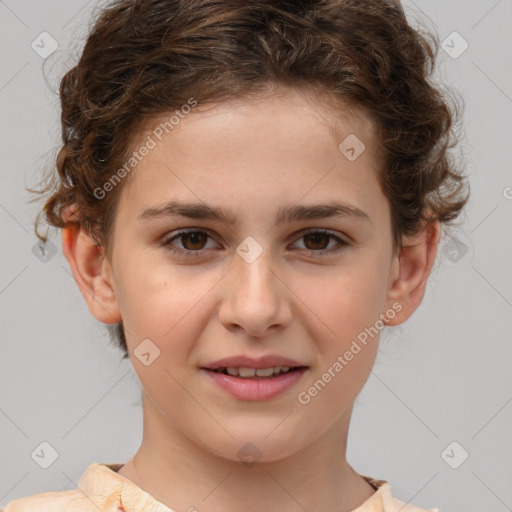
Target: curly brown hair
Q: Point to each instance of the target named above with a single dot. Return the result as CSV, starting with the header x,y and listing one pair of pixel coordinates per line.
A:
x,y
145,58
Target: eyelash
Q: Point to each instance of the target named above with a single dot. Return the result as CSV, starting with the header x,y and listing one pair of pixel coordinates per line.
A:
x,y
187,252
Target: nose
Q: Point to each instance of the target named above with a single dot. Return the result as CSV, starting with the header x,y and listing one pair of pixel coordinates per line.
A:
x,y
256,297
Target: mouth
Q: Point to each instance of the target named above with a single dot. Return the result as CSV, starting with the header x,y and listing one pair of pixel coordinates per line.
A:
x,y
252,378
256,373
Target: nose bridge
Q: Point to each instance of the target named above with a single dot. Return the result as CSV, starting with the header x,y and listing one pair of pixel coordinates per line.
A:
x,y
256,298
254,267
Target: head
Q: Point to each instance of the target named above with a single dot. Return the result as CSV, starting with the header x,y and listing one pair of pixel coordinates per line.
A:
x,y
261,110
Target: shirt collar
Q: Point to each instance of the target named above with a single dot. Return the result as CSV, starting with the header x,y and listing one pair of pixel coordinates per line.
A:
x,y
112,492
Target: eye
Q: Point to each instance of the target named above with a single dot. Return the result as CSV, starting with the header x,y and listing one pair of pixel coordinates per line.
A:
x,y
193,242
318,237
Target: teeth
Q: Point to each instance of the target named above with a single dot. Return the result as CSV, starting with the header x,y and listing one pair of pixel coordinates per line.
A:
x,y
264,372
253,372
246,372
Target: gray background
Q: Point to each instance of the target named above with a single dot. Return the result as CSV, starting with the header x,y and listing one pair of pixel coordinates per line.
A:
x,y
443,376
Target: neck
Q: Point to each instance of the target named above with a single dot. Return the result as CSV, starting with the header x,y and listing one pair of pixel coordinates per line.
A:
x,y
184,476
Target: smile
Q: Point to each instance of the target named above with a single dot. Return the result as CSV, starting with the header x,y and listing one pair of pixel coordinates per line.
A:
x,y
256,384
250,373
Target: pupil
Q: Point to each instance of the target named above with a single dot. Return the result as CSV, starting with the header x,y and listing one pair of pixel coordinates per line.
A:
x,y
315,237
193,237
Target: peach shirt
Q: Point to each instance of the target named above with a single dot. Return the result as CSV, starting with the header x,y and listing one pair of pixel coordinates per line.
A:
x,y
101,488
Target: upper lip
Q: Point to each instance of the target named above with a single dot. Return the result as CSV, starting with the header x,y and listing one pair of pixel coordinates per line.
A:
x,y
243,361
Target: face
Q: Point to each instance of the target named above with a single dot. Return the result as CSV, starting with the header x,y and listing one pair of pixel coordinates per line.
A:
x,y
297,289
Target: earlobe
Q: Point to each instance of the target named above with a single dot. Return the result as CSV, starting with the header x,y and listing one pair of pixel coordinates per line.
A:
x,y
411,269
91,272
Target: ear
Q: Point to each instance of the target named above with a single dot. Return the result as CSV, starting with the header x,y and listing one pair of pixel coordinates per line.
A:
x,y
90,268
410,270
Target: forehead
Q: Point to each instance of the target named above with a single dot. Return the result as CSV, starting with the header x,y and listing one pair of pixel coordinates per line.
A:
x,y
281,147
298,115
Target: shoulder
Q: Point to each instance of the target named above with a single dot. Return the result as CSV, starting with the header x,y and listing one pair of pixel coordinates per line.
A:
x,y
57,501
384,501
402,506
99,488
392,504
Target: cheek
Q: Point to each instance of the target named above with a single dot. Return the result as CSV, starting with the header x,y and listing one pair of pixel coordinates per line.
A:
x,y
143,300
346,332
350,298
162,303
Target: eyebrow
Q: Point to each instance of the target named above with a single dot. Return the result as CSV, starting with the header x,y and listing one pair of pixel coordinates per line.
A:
x,y
205,211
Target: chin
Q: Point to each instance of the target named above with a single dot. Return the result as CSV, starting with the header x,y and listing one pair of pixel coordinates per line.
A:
x,y
257,448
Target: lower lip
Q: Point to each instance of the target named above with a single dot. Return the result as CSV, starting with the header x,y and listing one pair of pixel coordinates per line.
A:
x,y
256,389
